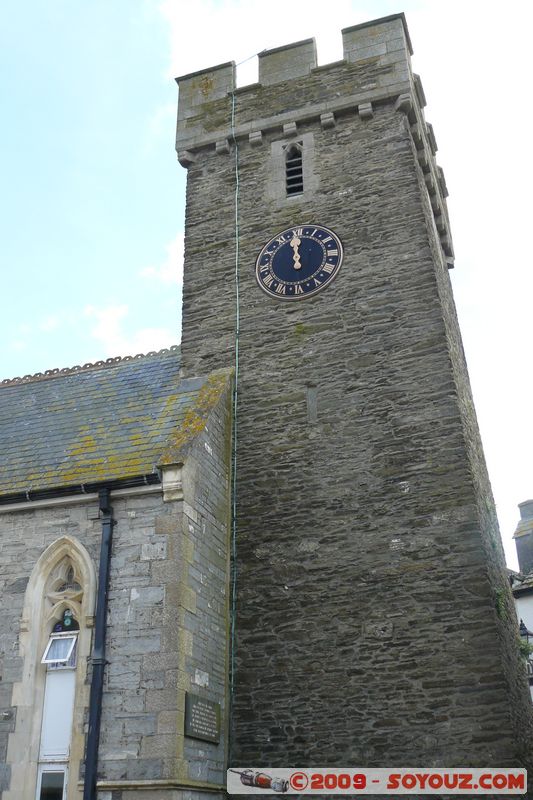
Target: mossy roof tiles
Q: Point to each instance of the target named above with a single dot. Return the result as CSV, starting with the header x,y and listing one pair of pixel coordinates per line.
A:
x,y
100,423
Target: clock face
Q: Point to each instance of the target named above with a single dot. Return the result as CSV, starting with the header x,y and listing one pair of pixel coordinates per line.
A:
x,y
299,262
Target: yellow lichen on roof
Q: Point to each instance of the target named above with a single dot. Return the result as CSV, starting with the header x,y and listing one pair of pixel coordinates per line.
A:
x,y
195,418
81,426
86,444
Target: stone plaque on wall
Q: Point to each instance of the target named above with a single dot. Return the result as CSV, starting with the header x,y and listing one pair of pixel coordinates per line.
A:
x,y
202,718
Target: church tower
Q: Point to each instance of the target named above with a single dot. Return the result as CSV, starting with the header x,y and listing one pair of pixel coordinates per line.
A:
x,y
373,624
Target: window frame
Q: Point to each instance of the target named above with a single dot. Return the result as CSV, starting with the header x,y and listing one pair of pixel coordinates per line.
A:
x,y
52,638
294,169
57,767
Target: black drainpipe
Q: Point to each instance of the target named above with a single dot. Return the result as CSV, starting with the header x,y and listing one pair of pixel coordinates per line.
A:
x,y
98,656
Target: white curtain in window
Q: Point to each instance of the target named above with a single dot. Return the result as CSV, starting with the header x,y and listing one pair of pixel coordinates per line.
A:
x,y
59,649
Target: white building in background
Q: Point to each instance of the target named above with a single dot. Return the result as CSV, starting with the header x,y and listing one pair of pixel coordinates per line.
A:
x,y
522,582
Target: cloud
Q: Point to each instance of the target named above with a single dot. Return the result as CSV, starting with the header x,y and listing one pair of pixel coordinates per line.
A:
x,y
234,33
147,339
26,333
50,323
109,331
170,270
17,345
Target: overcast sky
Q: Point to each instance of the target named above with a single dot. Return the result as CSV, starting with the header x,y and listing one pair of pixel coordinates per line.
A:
x,y
92,205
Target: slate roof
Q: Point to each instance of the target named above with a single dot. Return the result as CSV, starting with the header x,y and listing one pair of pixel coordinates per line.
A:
x,y
103,422
521,584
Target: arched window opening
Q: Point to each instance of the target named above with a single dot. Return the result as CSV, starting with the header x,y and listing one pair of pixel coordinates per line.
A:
x,y
70,583
55,641
63,585
294,178
60,657
64,595
67,624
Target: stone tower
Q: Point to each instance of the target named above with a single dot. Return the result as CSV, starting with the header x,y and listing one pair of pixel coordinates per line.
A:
x,y
373,614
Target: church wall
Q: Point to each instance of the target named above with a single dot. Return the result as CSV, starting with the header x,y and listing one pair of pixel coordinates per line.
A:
x,y
362,557
166,634
206,619
25,536
142,644
12,586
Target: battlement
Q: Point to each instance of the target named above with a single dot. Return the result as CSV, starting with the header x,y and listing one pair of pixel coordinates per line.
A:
x,y
292,91
381,49
287,62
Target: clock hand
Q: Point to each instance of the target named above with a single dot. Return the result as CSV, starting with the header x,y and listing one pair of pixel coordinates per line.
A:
x,y
295,242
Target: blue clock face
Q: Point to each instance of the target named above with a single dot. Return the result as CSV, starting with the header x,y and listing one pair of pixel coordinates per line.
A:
x,y
299,262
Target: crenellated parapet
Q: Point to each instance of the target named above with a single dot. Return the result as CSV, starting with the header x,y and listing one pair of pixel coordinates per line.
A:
x,y
287,62
375,68
292,91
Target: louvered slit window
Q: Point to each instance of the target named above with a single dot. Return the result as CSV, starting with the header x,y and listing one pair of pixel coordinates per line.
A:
x,y
294,176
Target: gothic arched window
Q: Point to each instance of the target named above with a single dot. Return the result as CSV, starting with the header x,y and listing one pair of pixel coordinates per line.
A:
x,y
62,589
55,641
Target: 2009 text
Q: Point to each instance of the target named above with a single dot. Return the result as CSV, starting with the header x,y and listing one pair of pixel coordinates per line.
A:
x,y
405,781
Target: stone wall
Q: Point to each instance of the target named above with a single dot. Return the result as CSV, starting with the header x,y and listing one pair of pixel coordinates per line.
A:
x,y
26,534
167,623
204,620
141,706
367,630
